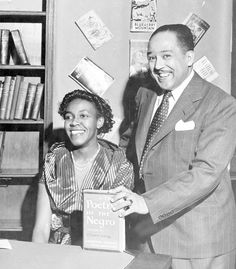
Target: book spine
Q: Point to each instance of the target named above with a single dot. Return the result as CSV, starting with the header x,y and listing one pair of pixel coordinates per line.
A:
x,y
5,54
29,100
18,52
37,101
5,93
10,98
15,95
1,89
21,100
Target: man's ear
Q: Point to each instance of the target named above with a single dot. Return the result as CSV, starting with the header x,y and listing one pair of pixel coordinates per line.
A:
x,y
100,122
190,57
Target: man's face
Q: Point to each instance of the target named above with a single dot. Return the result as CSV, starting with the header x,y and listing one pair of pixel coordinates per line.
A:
x,y
168,62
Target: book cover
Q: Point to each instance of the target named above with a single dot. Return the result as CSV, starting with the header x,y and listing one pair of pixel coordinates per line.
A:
x,y
138,57
21,100
103,229
5,53
91,77
17,48
29,100
4,99
37,101
143,15
197,26
10,98
205,69
94,29
15,95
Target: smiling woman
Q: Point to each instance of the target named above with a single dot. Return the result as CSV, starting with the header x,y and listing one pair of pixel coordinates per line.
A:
x,y
84,162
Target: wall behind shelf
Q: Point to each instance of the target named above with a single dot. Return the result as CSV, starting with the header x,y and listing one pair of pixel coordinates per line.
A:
x,y
113,57
26,5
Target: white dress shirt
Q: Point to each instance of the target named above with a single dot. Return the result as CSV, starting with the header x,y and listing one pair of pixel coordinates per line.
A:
x,y
175,95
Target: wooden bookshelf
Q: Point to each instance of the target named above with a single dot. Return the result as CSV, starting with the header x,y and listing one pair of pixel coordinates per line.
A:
x,y
25,142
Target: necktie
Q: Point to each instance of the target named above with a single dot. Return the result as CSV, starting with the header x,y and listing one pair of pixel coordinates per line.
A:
x,y
157,121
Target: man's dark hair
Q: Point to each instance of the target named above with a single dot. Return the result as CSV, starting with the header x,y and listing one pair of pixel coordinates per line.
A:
x,y
103,108
182,32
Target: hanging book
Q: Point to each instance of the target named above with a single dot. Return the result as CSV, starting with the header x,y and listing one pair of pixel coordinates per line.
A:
x,y
197,26
94,29
91,77
103,229
17,48
138,57
205,69
143,15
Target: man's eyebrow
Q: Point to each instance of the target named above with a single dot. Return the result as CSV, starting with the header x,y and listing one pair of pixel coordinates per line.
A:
x,y
162,51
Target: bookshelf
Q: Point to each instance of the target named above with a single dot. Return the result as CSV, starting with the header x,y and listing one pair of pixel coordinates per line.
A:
x,y
26,139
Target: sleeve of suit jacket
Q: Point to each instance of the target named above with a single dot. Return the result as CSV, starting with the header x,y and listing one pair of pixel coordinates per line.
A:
x,y
213,151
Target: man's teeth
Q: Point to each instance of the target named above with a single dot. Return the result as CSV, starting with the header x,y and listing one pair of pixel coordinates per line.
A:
x,y
163,75
77,132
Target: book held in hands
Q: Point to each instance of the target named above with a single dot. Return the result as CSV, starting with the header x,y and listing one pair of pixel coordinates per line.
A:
x,y
103,229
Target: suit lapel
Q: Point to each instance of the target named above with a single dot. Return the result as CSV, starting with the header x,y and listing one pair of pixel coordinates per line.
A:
x,y
146,110
182,109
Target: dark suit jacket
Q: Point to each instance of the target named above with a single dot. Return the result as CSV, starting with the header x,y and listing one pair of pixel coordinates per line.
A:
x,y
186,176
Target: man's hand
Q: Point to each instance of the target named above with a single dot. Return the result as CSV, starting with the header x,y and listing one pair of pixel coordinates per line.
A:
x,y
127,202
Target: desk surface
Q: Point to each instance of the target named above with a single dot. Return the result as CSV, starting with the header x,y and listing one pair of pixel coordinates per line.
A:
x,y
29,255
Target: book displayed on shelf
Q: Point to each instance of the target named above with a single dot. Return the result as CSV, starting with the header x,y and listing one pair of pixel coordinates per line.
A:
x,y
37,101
103,229
94,29
91,77
4,46
15,95
10,98
21,100
17,48
29,100
1,89
4,99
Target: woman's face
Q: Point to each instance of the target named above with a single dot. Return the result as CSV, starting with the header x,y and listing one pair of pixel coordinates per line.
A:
x,y
81,123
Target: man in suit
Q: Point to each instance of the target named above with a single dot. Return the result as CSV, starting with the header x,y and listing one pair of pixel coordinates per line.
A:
x,y
186,208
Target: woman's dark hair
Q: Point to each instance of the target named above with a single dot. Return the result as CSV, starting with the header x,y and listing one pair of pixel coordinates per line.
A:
x,y
182,32
103,108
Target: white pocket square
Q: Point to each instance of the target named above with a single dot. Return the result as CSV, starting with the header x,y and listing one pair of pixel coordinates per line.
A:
x,y
184,126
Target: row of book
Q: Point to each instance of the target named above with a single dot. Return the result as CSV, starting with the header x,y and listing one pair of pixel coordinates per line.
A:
x,y
11,45
19,99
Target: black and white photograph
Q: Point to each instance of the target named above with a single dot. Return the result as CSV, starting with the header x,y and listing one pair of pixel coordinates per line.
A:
x,y
117,134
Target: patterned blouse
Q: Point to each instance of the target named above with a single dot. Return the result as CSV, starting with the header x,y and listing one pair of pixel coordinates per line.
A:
x,y
110,169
